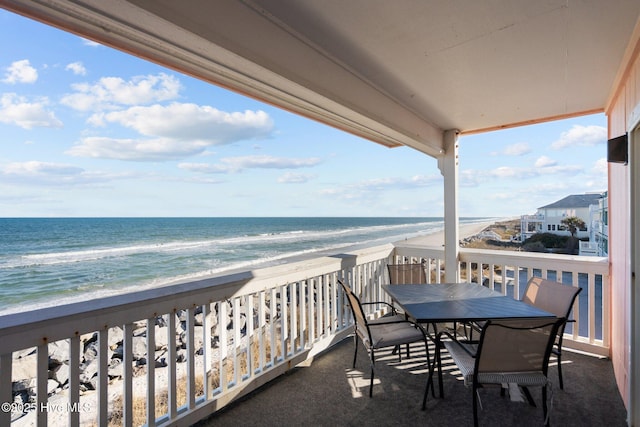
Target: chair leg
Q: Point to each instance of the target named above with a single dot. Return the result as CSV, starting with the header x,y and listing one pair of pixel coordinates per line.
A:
x,y
426,390
372,360
355,353
439,362
544,405
475,405
527,394
559,357
429,380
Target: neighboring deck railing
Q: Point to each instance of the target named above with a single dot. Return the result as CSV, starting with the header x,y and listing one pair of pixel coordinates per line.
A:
x,y
208,342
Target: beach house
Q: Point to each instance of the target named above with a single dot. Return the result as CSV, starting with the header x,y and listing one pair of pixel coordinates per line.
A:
x,y
421,74
548,218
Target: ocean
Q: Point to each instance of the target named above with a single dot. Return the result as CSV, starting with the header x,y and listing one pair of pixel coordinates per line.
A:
x,y
46,261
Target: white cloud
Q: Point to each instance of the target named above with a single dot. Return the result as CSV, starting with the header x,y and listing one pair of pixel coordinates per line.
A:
x,y
20,112
518,149
192,121
585,136
40,168
601,168
365,190
20,72
76,68
41,173
172,132
54,174
111,92
544,161
543,167
238,164
294,178
160,149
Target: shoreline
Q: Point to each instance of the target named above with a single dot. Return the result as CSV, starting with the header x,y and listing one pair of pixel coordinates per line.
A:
x,y
464,231
433,239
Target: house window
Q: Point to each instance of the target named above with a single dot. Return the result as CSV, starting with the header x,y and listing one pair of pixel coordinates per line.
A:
x,y
549,227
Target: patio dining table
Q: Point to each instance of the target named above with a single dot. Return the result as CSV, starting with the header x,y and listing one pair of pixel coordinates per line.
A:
x,y
457,302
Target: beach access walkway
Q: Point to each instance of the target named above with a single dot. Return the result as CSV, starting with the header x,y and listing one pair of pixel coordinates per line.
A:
x,y
330,393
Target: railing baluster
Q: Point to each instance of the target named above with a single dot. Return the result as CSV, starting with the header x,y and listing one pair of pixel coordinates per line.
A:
x,y
42,378
103,376
273,308
575,328
293,304
592,303
74,381
207,351
262,325
330,313
171,366
191,381
606,315
223,346
302,307
249,336
151,373
284,325
236,341
6,368
313,286
127,383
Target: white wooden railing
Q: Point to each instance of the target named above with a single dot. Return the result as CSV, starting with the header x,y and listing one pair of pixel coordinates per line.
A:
x,y
222,337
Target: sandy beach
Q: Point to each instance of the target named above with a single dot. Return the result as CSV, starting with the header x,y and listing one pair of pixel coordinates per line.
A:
x,y
465,230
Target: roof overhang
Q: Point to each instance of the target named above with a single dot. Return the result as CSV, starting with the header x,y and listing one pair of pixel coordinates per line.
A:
x,y
397,73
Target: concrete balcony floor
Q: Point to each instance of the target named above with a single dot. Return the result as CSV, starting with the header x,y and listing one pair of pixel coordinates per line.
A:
x,y
330,393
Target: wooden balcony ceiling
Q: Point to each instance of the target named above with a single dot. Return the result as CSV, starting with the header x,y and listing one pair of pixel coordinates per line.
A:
x,y
395,72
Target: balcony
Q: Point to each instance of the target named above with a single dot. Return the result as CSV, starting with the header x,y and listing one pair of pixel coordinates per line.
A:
x,y
176,354
331,392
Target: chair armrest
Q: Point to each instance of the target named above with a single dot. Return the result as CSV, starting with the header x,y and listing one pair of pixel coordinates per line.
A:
x,y
393,309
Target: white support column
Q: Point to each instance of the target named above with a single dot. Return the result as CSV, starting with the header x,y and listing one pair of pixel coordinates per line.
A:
x,y
448,165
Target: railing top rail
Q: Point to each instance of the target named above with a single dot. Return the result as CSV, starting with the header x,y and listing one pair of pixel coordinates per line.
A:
x,y
585,264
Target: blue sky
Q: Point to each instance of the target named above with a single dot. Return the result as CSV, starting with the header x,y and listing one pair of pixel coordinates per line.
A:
x,y
89,131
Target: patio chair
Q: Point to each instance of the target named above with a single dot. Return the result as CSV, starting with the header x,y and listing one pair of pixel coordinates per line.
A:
x,y
511,354
402,274
381,333
557,299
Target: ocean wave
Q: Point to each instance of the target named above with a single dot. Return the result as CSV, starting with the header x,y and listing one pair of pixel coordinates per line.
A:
x,y
95,254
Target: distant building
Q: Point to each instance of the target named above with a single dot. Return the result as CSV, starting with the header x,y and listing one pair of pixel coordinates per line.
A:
x,y
590,207
598,243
